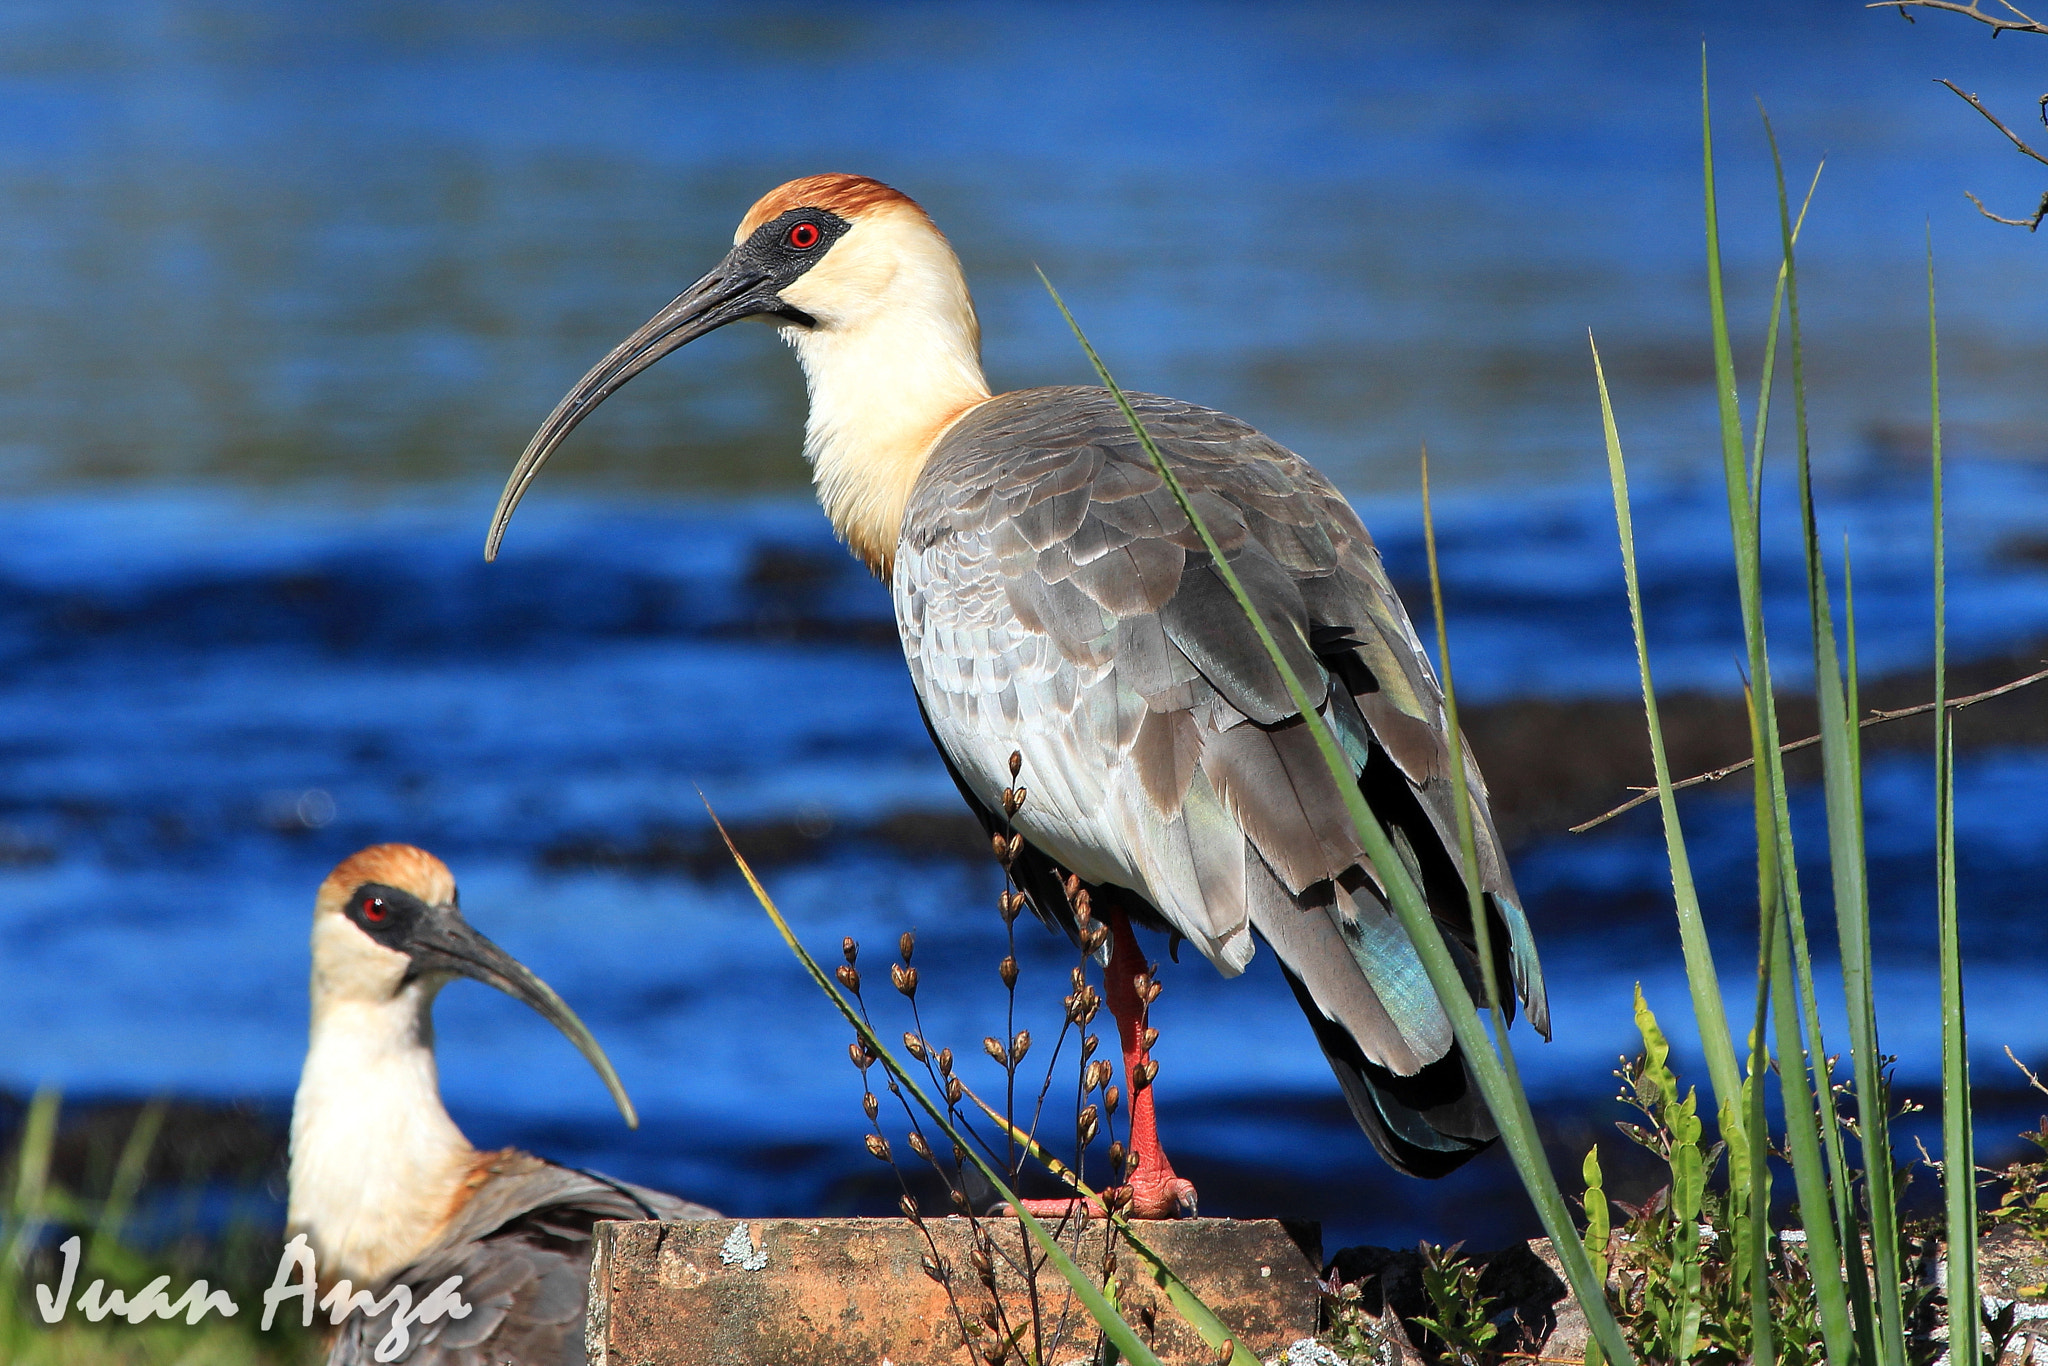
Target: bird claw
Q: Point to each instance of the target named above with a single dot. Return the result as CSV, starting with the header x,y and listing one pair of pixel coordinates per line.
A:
x,y
1173,1198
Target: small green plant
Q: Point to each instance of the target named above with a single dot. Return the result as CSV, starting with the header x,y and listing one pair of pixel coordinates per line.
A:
x,y
2023,1201
1460,1324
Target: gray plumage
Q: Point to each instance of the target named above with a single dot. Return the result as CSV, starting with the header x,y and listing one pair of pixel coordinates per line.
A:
x,y
522,1247
1053,600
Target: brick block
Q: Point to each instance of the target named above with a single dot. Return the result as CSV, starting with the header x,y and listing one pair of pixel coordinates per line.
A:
x,y
807,1292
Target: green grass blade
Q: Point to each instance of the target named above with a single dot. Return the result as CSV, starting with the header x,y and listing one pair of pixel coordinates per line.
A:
x,y
1509,1105
128,1174
1461,793
28,1203
1879,1318
1700,973
1777,878
1114,1328
1958,1152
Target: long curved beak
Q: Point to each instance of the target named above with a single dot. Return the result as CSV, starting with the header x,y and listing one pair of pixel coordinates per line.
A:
x,y
726,295
445,942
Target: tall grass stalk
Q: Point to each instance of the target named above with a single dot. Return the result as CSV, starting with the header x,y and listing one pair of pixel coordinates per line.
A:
x,y
1509,1104
1460,794
1958,1150
1878,1309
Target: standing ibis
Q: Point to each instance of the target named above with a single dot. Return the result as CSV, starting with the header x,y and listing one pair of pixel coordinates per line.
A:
x,y
384,1187
1054,602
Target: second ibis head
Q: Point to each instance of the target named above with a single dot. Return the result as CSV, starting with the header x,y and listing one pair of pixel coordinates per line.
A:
x,y
376,1163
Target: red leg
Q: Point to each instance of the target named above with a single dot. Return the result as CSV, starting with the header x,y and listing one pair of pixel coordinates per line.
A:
x,y
1156,1193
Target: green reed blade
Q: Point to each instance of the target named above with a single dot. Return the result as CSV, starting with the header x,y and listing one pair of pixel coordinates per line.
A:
x,y
128,1173
1879,1318
1468,847
1509,1104
1958,1152
1776,867
1700,973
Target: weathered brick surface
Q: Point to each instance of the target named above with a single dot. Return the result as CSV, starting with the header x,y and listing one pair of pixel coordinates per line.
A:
x,y
813,1292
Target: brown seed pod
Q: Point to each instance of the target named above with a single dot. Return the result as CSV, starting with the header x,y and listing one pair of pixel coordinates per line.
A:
x,y
959,1199
1085,1126
1088,1046
851,948
1093,937
1084,906
1226,1351
1020,796
1149,992
1019,1046
959,1154
1016,763
931,1268
994,1048
860,1055
983,1264
1079,979
1151,1037
872,1104
999,846
904,978
908,1204
1098,1075
906,942
913,1045
1007,970
945,1062
1112,1097
849,977
1116,1156
879,1146
1141,1076
919,1146
954,1090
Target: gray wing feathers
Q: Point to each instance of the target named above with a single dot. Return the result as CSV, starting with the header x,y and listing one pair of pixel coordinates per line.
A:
x,y
1055,601
522,1247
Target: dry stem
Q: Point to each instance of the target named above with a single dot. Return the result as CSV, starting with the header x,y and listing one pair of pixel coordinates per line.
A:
x,y
1644,794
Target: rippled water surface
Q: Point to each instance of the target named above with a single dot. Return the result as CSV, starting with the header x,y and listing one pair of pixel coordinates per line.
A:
x,y
283,291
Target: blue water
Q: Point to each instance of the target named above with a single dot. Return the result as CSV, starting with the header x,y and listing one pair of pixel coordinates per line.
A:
x,y
211,697
285,289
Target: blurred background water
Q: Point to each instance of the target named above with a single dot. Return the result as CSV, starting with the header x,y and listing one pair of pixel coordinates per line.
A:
x,y
283,291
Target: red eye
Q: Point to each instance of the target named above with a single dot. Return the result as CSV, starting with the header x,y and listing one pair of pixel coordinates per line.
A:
x,y
374,908
804,236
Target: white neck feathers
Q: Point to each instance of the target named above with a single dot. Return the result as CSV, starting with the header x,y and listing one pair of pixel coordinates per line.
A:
x,y
893,361
377,1166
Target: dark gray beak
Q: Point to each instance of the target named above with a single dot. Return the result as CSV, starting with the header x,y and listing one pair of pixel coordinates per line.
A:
x,y
731,292
442,941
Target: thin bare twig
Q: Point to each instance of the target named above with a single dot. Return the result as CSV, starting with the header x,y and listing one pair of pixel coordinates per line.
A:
x,y
2031,223
1977,105
2032,1080
2023,24
1644,794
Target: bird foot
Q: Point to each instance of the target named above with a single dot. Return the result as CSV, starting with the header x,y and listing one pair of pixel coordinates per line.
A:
x,y
1171,1198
